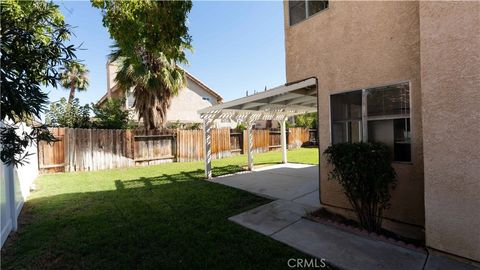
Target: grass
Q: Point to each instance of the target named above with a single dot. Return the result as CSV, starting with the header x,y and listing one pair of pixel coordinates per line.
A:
x,y
162,217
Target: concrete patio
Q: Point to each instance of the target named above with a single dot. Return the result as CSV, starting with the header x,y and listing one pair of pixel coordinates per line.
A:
x,y
294,188
291,182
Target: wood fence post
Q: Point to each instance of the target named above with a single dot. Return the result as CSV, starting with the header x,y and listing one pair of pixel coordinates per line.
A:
x,y
66,145
175,146
90,148
132,144
72,150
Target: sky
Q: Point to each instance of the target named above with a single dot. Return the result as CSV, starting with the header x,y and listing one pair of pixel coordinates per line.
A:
x,y
238,46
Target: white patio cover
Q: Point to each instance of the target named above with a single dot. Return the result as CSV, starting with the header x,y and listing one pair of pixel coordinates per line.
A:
x,y
274,104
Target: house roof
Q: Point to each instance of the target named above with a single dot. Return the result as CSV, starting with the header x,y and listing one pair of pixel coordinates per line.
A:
x,y
105,96
204,86
274,104
188,75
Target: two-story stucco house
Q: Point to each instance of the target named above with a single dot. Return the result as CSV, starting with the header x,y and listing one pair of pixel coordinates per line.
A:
x,y
405,73
196,95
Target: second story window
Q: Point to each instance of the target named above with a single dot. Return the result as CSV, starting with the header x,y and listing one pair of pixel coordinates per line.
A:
x,y
206,99
130,99
300,10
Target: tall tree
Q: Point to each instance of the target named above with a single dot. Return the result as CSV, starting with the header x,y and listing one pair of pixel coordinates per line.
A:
x,y
34,45
74,77
151,38
152,91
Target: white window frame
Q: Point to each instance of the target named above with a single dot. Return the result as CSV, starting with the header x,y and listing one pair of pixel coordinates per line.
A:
x,y
126,98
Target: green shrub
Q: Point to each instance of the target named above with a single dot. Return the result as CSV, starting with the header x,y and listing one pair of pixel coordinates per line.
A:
x,y
111,115
175,125
194,126
241,126
308,120
62,114
365,173
185,126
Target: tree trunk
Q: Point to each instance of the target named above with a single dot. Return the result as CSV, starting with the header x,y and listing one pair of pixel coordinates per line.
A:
x,y
72,94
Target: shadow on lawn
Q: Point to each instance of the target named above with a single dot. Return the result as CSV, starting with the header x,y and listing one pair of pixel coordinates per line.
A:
x,y
170,221
149,182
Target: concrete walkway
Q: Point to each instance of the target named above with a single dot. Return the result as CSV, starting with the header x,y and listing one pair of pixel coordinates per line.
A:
x,y
292,182
282,220
296,189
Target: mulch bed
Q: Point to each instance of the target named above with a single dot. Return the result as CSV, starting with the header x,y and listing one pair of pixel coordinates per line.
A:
x,y
340,222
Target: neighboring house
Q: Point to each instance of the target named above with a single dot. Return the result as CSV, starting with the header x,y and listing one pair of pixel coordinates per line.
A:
x,y
407,74
183,108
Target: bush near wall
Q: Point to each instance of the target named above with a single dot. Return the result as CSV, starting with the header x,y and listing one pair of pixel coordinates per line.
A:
x,y
365,173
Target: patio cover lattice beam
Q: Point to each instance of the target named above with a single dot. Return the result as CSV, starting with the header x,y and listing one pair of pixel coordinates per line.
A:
x,y
275,104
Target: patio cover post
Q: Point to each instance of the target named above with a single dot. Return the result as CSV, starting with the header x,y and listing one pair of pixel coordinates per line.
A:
x,y
249,145
283,140
207,126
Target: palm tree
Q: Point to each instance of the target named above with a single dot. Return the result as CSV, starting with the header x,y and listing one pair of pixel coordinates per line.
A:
x,y
74,77
154,79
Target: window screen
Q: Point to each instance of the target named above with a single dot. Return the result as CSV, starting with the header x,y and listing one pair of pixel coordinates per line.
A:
x,y
346,109
297,11
387,119
300,10
316,6
390,100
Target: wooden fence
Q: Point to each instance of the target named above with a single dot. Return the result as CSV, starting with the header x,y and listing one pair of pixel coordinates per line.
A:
x,y
98,149
153,146
51,157
297,137
190,145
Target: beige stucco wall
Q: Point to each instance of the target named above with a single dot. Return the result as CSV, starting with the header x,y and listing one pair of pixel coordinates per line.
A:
x,y
450,64
354,45
189,100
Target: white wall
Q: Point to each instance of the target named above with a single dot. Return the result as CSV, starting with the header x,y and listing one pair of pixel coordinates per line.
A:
x,y
14,189
5,209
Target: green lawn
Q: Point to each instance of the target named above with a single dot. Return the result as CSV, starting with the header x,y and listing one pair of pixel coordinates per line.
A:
x,y
161,217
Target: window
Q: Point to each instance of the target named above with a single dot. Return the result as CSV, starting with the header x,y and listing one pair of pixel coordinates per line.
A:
x,y
388,110
388,101
130,99
316,6
346,117
385,118
300,10
206,98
